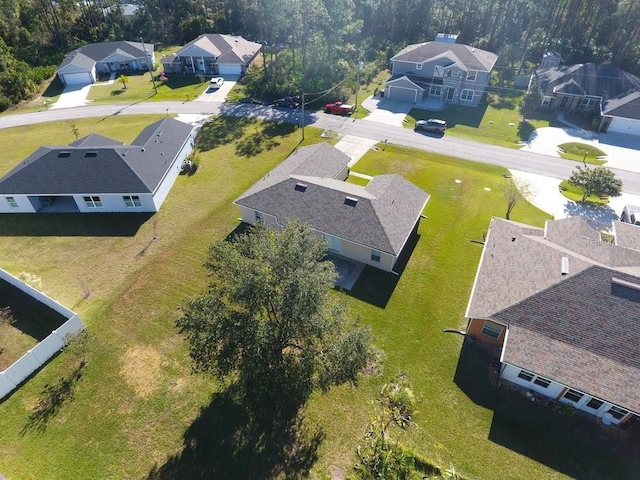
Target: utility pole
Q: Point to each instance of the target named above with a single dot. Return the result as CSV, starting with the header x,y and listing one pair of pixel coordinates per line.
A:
x,y
148,57
302,115
360,65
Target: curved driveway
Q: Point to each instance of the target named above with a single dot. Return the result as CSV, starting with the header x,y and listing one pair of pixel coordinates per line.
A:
x,y
456,147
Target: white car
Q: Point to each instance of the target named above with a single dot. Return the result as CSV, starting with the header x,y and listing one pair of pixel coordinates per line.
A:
x,y
216,82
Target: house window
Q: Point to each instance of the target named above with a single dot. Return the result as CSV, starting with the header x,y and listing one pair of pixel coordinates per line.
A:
x,y
132,201
375,256
492,330
542,382
466,95
618,413
258,216
587,103
438,71
12,202
435,90
92,202
526,376
573,395
471,75
546,101
418,66
454,73
595,404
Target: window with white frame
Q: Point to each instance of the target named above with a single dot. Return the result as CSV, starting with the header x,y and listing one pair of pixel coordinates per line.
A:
x,y
258,216
573,395
454,73
132,201
492,330
594,404
12,202
471,75
587,103
542,382
435,90
546,101
617,412
375,256
466,95
526,376
92,202
418,66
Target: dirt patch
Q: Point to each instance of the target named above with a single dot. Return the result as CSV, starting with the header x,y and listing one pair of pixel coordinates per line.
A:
x,y
141,369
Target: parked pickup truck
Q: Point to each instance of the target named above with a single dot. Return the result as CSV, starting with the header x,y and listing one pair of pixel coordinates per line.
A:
x,y
339,108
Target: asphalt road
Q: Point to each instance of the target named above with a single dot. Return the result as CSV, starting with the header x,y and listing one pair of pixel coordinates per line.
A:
x,y
446,145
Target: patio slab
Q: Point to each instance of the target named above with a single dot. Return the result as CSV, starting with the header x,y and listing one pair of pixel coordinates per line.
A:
x,y
348,271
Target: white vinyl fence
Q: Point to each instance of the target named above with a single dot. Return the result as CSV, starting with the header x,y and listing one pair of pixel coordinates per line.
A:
x,y
47,348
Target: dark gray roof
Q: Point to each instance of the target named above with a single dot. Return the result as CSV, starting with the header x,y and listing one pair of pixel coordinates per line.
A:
x,y
382,218
619,90
96,164
88,55
227,49
469,57
573,327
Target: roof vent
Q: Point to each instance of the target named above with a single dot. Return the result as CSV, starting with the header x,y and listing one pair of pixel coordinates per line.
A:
x,y
351,201
91,153
300,187
564,266
64,154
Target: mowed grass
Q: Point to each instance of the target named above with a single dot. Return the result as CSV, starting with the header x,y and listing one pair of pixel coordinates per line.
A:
x,y
136,401
581,152
496,120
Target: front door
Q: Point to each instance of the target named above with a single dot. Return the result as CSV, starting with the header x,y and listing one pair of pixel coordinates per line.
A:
x,y
564,101
450,93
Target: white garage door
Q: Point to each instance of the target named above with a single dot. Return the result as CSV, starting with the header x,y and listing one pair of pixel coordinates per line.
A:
x,y
628,126
402,94
229,69
77,78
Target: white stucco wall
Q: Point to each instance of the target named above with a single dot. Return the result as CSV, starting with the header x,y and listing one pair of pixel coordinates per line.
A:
x,y
24,205
115,203
170,176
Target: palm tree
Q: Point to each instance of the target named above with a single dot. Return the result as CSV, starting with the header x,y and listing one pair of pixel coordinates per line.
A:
x,y
124,79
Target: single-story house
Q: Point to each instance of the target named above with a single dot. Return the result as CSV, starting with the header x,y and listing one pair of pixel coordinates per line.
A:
x,y
443,72
82,66
563,304
370,224
98,174
606,89
213,54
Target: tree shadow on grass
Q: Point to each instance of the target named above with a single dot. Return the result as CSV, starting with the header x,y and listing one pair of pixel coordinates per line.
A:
x,y
222,131
525,129
52,398
229,441
577,446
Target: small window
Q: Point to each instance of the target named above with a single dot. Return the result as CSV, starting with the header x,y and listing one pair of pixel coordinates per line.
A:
x,y
471,75
12,202
492,330
454,73
435,90
258,216
419,66
93,202
526,376
587,103
466,95
375,256
132,201
595,404
618,413
542,382
546,101
573,395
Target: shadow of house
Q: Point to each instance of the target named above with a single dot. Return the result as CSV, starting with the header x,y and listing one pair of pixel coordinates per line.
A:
x,y
228,441
571,445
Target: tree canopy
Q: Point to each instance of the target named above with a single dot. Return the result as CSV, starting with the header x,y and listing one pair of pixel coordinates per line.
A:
x,y
599,181
268,321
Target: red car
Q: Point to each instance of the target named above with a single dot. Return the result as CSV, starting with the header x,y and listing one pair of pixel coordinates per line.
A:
x,y
339,108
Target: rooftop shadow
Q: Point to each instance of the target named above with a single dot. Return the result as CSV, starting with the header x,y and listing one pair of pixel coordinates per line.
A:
x,y
576,446
375,286
72,224
227,441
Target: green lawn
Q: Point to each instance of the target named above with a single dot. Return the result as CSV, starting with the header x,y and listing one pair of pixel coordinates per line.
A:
x,y
581,152
136,411
574,193
496,120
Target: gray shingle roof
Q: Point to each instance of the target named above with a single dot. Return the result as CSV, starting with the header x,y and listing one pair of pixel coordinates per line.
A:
x,y
88,55
579,328
228,49
95,164
620,90
469,57
383,217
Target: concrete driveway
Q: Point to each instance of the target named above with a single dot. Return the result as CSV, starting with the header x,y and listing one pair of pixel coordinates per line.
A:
x,y
72,96
219,94
389,112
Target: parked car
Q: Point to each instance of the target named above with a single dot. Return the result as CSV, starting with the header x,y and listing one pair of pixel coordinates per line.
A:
x,y
253,101
287,102
339,108
216,82
630,214
431,125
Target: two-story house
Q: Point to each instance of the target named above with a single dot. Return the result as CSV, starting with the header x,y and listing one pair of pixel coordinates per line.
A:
x,y
441,72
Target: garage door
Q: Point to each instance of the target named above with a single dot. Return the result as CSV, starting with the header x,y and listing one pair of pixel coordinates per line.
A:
x,y
76,78
627,126
229,69
402,94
